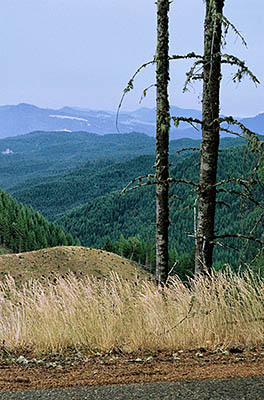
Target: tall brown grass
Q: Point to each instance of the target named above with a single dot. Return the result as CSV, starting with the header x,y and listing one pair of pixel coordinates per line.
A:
x,y
211,312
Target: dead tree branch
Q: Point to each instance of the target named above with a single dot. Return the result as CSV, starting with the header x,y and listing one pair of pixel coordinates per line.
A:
x,y
239,236
188,148
190,121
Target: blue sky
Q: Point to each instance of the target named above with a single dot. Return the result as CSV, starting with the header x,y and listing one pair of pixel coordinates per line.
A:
x,y
83,52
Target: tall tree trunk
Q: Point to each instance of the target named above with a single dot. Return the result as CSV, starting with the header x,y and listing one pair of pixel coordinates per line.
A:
x,y
210,136
162,141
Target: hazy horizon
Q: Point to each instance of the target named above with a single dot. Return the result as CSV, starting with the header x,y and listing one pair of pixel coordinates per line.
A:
x,y
82,54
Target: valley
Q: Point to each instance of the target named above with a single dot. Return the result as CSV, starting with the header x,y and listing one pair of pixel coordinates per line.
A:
x,y
75,179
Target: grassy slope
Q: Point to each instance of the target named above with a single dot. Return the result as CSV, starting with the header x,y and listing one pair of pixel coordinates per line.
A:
x,y
57,261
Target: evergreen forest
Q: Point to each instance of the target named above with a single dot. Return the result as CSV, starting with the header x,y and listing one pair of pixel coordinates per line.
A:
x,y
126,223
86,201
24,229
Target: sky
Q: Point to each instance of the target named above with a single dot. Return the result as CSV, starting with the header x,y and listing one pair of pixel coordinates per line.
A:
x,y
57,53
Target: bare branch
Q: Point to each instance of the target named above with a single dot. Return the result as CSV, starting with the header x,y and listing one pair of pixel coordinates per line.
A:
x,y
232,133
139,180
258,145
188,148
190,121
130,86
148,183
240,194
227,24
242,70
149,177
239,236
145,92
173,180
256,224
189,55
237,180
192,75
228,246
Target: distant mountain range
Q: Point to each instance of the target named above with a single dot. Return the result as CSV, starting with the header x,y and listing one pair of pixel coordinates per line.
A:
x,y
24,118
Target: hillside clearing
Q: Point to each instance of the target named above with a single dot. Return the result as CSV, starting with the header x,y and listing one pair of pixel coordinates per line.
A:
x,y
59,261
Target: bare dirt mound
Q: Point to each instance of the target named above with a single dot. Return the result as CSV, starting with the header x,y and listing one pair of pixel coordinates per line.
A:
x,y
57,261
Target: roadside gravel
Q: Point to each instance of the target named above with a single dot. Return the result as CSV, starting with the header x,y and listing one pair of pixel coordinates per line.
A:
x,y
227,389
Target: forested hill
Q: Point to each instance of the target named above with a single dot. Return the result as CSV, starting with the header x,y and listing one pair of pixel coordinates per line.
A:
x,y
53,196
39,155
47,154
23,229
109,216
41,170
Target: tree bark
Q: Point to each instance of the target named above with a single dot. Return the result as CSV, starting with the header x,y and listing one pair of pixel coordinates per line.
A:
x,y
162,141
210,136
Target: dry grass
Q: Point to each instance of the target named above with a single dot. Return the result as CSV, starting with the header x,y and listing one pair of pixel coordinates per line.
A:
x,y
105,315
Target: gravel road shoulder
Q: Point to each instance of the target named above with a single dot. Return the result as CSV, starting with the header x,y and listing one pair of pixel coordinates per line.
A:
x,y
231,389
